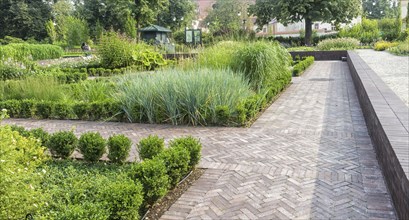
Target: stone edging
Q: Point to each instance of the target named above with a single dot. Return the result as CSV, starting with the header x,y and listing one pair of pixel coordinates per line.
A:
x,y
387,119
321,55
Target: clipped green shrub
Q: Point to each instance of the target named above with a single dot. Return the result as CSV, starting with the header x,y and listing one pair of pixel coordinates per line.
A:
x,y
155,181
192,145
21,130
62,144
383,45
402,49
150,147
90,191
92,146
118,148
176,160
338,44
302,65
41,135
20,176
261,62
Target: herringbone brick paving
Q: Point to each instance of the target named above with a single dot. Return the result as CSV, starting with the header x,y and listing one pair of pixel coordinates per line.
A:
x,y
308,156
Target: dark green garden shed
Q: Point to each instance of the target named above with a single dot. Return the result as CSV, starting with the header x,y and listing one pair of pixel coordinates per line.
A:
x,y
155,34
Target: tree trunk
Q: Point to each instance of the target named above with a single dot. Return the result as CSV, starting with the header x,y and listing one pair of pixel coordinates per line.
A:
x,y
308,31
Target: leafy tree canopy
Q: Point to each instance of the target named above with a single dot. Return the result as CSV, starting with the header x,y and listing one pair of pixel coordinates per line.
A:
x,y
291,11
177,14
378,9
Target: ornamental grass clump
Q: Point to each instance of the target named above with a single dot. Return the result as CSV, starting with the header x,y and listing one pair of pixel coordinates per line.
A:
x,y
261,63
339,44
180,97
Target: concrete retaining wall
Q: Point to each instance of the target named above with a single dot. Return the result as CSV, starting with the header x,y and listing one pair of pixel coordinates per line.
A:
x,y
387,119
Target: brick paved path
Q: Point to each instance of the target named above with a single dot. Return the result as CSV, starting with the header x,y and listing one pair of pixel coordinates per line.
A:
x,y
308,156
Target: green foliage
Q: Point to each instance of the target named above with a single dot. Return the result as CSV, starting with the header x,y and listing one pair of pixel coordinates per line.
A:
x,y
22,52
378,9
383,45
150,147
261,63
178,14
152,174
401,50
339,44
20,177
192,145
180,97
52,34
115,51
118,148
219,56
366,32
333,11
62,144
33,87
176,160
300,49
90,191
130,27
147,58
390,28
76,31
92,146
302,65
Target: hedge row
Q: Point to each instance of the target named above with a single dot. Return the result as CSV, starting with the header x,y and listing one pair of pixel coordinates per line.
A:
x,y
300,41
24,51
302,65
116,191
107,110
112,111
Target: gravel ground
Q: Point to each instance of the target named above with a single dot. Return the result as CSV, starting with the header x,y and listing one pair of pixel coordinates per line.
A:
x,y
394,70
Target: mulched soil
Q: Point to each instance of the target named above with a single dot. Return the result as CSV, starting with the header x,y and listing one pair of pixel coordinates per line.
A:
x,y
161,206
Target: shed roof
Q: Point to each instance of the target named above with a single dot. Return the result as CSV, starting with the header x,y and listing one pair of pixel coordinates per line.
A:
x,y
154,28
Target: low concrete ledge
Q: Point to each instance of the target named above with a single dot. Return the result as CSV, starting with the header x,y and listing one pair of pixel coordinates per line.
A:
x,y
321,55
387,119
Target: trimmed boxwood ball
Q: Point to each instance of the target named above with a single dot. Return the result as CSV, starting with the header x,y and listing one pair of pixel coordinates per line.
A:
x,y
40,134
118,148
150,147
193,146
92,146
176,160
152,175
62,144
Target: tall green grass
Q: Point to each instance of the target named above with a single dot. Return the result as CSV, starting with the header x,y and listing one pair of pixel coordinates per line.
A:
x,y
33,87
339,44
91,90
261,63
22,52
180,97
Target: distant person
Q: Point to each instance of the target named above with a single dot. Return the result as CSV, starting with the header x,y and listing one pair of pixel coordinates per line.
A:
x,y
86,48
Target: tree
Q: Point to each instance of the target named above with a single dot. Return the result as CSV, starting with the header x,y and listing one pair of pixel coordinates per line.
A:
x,y
290,11
52,34
147,11
179,13
378,9
227,16
24,18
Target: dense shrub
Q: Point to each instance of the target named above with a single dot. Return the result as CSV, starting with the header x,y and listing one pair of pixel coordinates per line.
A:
x,y
302,65
339,44
92,146
152,174
366,32
261,63
118,148
62,144
402,49
21,52
41,135
192,145
383,45
150,147
390,28
301,49
300,41
90,191
20,177
180,97
176,160
11,72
